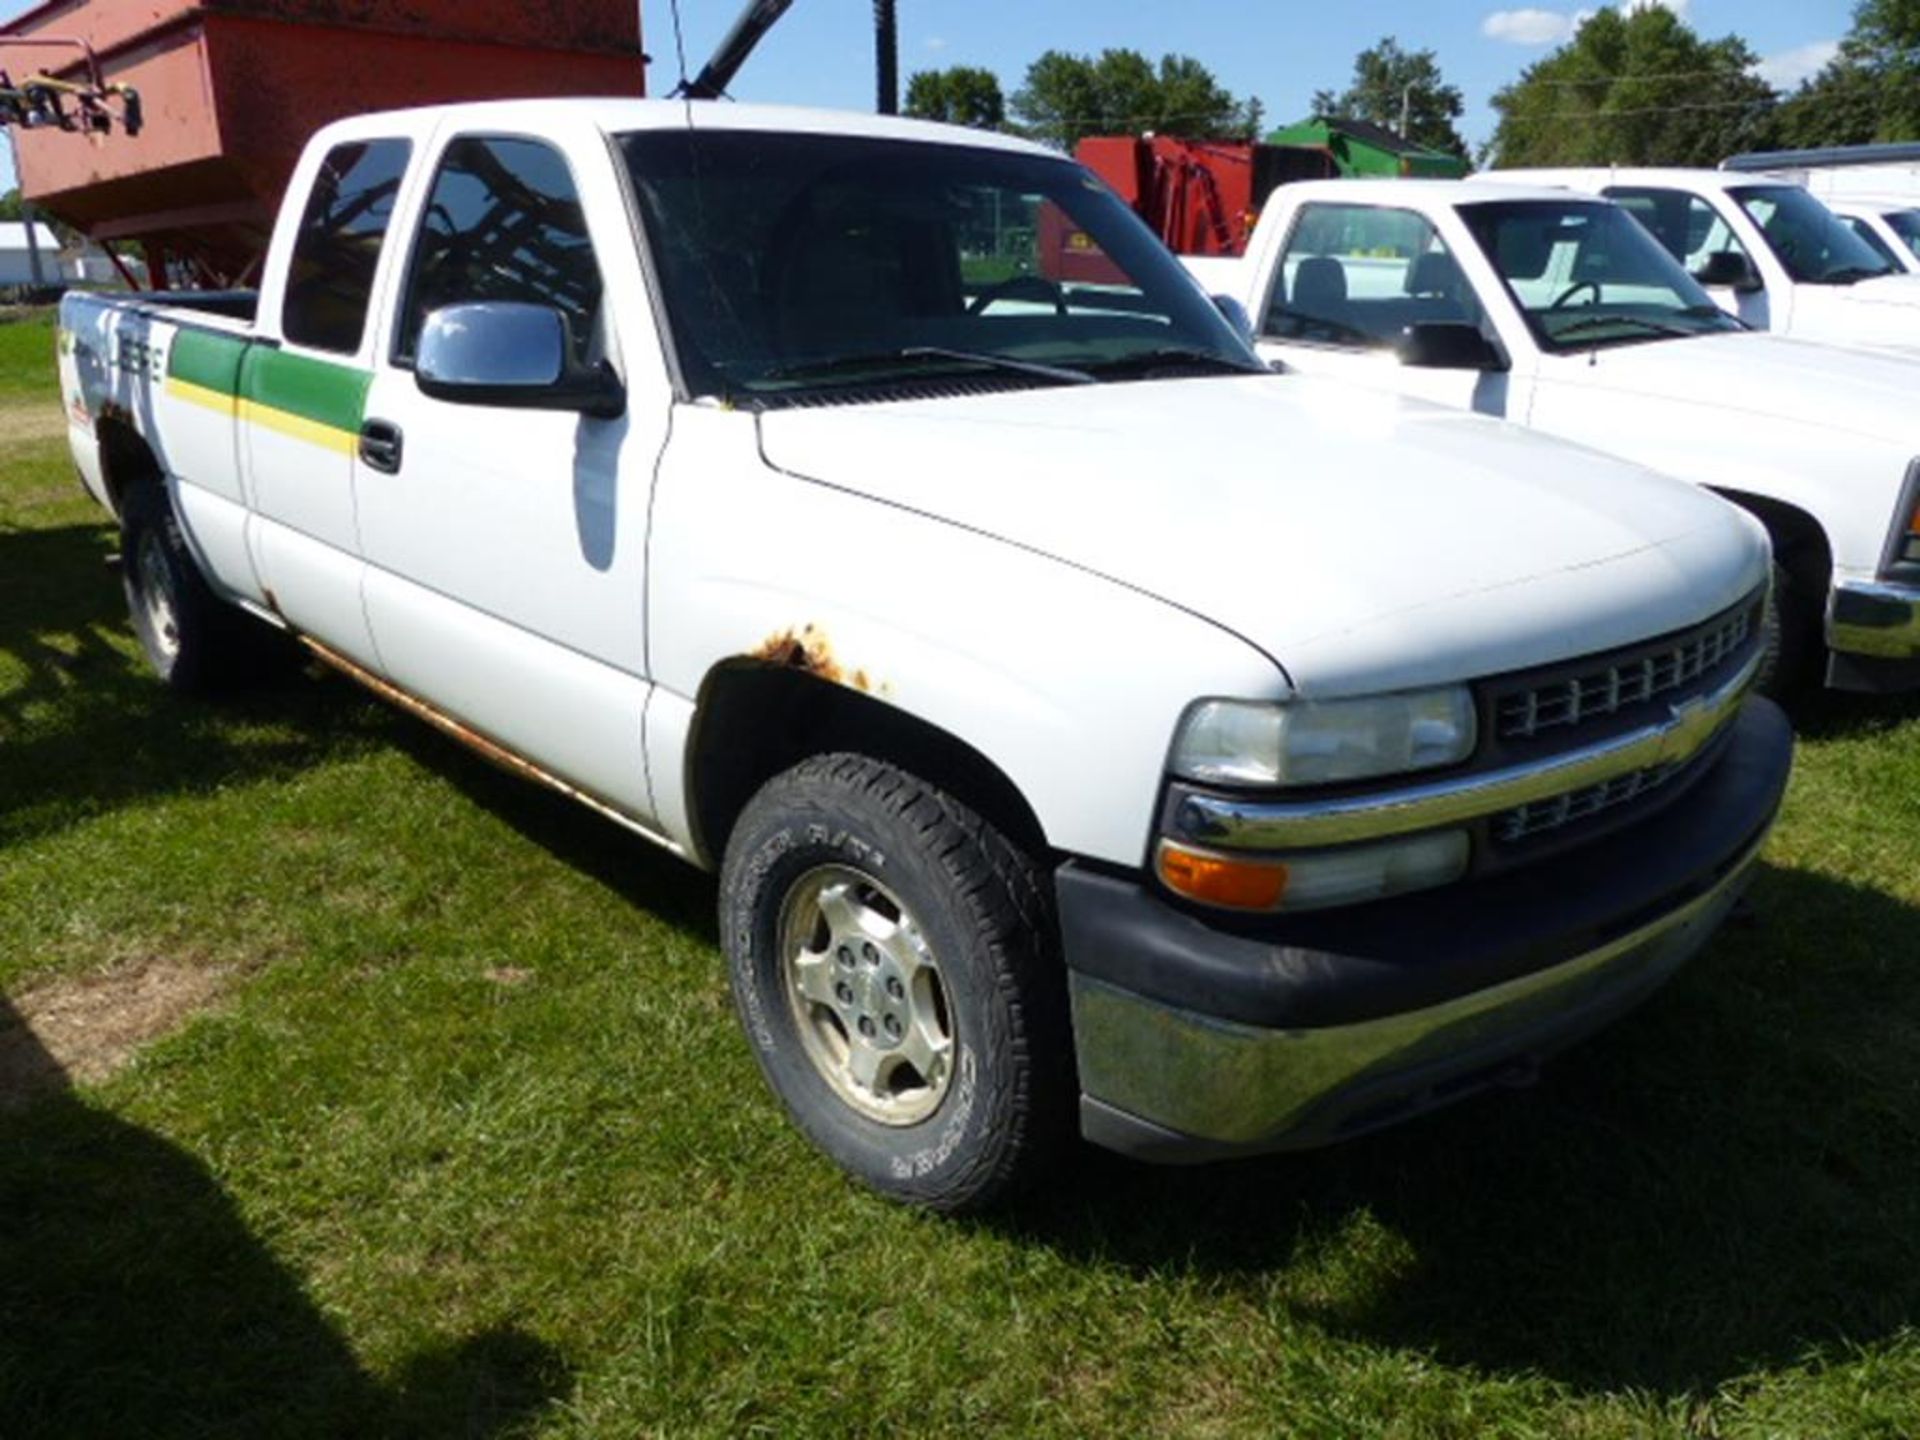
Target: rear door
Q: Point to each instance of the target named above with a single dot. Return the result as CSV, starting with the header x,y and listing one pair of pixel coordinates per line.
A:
x,y
507,547
302,386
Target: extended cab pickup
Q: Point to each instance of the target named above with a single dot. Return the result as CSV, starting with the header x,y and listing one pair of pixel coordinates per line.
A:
x,y
1067,749
1765,248
1557,311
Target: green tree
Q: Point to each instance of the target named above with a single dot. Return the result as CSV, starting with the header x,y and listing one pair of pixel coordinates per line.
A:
x,y
959,95
1635,89
1069,97
1871,90
1389,82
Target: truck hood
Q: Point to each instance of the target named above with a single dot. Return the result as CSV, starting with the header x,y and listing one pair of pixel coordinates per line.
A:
x,y
1725,378
1365,542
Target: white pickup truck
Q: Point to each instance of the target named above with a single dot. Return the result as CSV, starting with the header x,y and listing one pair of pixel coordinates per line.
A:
x,y
1554,310
1764,248
1065,745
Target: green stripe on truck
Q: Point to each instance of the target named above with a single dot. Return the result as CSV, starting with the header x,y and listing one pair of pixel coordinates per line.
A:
x,y
331,395
206,359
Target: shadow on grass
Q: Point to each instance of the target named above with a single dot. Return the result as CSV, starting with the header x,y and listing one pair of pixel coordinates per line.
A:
x,y
134,1299
1838,715
85,727
1729,1179
625,864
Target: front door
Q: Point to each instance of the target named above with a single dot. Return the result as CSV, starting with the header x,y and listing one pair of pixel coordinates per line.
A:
x,y
506,548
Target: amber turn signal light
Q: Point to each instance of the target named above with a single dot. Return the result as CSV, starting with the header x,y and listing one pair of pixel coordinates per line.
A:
x,y
1222,880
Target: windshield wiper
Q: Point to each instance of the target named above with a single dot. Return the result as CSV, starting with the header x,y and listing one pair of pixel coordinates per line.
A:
x,y
1850,275
1597,322
915,354
1170,356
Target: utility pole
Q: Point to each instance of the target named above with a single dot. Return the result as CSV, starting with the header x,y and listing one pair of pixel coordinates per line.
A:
x,y
886,52
1406,112
27,216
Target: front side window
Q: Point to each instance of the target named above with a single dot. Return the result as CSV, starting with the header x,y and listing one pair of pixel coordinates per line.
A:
x,y
337,249
795,262
1813,243
1690,229
503,222
1361,274
1585,274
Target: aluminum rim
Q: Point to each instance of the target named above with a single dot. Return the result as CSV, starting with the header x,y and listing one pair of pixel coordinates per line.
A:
x,y
156,596
867,995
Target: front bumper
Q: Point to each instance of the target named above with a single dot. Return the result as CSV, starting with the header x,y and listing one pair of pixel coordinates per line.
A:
x,y
1873,631
1199,1039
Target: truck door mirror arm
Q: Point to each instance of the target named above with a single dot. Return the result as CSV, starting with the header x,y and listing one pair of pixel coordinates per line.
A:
x,y
515,355
1448,345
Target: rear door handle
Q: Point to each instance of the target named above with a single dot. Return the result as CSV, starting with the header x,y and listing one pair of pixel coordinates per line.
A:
x,y
380,446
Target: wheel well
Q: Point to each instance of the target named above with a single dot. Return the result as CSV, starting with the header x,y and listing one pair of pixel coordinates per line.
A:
x,y
756,720
1799,540
126,461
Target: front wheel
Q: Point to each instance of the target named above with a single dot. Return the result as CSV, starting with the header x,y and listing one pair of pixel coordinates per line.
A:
x,y
893,964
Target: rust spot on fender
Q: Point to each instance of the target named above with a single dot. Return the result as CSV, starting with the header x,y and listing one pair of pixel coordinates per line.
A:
x,y
803,649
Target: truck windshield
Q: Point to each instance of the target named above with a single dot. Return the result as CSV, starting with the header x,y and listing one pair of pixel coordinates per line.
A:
x,y
792,263
1585,273
1815,245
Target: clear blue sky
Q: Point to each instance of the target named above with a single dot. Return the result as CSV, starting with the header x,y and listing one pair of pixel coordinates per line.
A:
x,y
1280,50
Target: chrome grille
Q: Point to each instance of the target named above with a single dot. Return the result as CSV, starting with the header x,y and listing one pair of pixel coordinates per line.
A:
x,y
1539,816
1523,714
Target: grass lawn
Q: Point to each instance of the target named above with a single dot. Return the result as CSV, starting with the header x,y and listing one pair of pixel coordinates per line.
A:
x,y
459,1136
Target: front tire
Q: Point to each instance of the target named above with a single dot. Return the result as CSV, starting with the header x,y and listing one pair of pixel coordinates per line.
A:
x,y
893,964
1794,639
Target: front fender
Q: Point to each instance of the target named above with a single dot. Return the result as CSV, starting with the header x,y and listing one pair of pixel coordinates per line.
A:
x,y
1067,681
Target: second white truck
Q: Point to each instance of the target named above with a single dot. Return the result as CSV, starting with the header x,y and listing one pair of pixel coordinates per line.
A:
x,y
1557,311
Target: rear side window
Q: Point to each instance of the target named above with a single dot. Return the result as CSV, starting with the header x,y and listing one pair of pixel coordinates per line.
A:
x,y
503,223
337,250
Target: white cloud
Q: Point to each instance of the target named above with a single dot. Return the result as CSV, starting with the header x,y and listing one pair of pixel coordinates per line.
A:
x,y
1527,27
1790,67
1534,26
936,42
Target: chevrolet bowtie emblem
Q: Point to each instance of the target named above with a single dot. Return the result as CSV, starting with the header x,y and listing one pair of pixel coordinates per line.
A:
x,y
1691,724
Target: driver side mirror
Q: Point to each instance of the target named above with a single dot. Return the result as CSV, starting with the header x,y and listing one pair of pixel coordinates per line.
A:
x,y
1448,345
1729,270
515,355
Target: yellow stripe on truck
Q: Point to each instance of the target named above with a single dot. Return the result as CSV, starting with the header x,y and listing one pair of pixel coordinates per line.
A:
x,y
299,427
199,395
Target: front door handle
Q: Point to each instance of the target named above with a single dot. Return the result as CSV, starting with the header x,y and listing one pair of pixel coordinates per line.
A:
x,y
380,446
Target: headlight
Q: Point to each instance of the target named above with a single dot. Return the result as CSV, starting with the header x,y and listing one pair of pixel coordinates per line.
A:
x,y
1306,742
